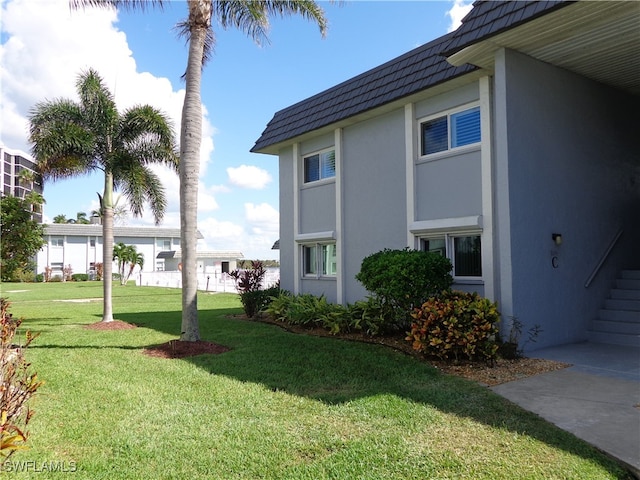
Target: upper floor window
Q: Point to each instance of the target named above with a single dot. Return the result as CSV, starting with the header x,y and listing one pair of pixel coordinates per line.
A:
x,y
449,131
320,166
57,241
163,244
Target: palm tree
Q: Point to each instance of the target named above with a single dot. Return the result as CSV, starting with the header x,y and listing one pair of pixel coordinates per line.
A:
x,y
252,17
62,218
25,180
136,259
70,139
127,255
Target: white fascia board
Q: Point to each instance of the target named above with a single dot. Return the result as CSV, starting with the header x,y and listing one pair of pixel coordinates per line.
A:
x,y
446,224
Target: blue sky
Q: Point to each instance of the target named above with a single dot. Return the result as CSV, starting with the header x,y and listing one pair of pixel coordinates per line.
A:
x,y
45,46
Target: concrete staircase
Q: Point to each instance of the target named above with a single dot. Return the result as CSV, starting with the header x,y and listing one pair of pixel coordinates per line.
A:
x,y
618,322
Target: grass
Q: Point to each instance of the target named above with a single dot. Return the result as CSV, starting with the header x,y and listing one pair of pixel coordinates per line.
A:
x,y
277,406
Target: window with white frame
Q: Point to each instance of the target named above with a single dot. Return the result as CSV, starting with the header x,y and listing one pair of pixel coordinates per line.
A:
x,y
319,260
163,244
463,249
319,166
452,130
159,265
57,241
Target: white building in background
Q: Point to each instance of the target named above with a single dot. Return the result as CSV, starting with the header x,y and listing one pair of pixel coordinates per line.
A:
x,y
81,247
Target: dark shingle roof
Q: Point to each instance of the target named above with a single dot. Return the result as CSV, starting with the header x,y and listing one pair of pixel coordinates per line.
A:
x,y
489,18
412,72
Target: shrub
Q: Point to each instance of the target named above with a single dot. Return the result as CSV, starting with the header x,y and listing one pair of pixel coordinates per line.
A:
x,y
368,316
257,301
456,324
56,278
17,385
404,279
23,275
248,284
80,277
40,277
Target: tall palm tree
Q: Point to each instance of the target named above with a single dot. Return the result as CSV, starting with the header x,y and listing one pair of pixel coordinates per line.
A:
x,y
71,139
251,17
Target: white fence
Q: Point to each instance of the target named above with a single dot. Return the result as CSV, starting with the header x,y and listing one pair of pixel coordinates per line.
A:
x,y
207,282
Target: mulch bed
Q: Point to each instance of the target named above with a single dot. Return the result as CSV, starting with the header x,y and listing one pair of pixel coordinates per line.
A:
x,y
112,325
503,370
182,349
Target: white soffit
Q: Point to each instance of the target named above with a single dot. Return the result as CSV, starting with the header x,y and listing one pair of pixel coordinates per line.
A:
x,y
599,40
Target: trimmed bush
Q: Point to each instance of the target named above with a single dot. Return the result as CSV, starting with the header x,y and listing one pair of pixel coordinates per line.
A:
x,y
455,325
404,279
79,277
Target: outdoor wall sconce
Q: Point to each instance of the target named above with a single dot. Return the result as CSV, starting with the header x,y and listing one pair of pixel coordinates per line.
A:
x,y
557,238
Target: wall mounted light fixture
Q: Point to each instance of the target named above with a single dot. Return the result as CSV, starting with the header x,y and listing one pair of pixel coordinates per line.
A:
x,y
557,238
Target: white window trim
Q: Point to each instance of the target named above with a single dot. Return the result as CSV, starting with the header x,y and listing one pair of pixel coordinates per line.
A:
x,y
451,228
422,228
320,181
449,247
316,237
449,151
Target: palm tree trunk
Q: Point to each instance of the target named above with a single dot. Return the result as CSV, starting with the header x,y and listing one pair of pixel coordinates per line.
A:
x,y
190,139
107,248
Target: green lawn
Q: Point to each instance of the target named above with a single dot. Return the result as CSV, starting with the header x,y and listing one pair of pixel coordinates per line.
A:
x,y
277,406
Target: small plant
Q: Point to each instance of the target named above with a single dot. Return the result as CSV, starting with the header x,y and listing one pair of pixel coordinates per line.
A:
x,y
17,384
99,271
512,348
372,317
67,272
80,277
47,273
454,325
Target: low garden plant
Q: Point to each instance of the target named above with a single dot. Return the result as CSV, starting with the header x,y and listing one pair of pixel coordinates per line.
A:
x,y
456,325
18,383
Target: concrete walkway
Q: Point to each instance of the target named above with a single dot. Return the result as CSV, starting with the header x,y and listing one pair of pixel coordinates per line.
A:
x,y
597,398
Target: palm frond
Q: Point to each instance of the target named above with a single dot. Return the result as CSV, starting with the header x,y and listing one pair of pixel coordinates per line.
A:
x,y
140,185
124,4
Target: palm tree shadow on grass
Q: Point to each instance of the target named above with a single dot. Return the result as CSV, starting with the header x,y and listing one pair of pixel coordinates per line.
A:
x,y
336,371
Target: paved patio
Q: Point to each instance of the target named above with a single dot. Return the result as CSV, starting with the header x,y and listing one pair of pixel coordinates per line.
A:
x,y
597,398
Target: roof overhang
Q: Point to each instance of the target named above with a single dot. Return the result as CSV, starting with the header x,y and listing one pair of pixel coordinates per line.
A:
x,y
598,40
452,84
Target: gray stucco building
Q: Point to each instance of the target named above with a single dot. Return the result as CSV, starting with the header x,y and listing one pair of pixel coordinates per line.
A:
x,y
511,146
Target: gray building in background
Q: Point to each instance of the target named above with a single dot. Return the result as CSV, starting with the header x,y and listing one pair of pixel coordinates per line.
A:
x,y
16,184
510,145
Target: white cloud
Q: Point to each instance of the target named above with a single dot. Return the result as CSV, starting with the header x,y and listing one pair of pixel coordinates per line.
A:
x,y
263,219
249,176
46,45
457,12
